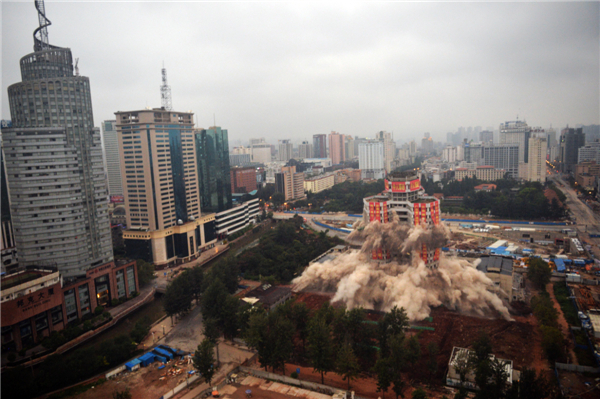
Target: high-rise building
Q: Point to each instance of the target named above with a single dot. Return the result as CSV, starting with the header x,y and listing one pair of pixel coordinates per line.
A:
x,y
243,180
450,154
305,150
413,147
8,246
261,153
162,194
502,156
473,153
517,132
371,160
113,163
54,166
427,144
571,140
212,151
337,149
536,167
290,183
389,149
260,140
350,148
320,146
286,150
486,137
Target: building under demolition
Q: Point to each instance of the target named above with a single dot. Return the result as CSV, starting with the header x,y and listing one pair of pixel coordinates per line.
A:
x,y
404,196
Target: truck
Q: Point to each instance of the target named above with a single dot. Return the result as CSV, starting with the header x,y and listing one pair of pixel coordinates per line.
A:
x,y
492,226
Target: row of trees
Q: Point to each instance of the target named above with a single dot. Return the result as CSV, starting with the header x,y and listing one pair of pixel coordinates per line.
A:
x,y
284,252
344,197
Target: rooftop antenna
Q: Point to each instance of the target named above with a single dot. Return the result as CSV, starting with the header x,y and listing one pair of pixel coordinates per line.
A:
x,y
165,91
76,66
40,42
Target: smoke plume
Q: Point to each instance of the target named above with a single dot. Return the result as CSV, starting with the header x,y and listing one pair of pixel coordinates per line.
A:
x,y
405,281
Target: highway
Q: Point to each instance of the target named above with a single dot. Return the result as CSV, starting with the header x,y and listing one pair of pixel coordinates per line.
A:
x,y
585,218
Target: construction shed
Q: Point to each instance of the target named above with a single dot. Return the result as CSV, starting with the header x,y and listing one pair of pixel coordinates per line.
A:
x,y
147,359
133,365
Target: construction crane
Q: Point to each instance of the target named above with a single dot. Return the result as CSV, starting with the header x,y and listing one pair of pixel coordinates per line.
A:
x,y
165,91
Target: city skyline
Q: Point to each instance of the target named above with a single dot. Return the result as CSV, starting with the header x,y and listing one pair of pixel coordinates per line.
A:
x,y
457,66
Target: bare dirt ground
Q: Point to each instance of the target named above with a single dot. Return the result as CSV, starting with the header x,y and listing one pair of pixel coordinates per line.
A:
x,y
578,385
144,383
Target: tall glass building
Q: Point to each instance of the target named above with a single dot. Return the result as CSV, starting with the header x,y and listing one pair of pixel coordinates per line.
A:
x,y
54,164
212,151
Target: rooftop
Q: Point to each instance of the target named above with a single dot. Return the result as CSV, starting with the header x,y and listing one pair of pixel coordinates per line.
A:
x,y
496,264
402,175
269,294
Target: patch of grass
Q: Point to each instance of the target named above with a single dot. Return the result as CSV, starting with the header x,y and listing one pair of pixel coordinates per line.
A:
x,y
76,390
561,292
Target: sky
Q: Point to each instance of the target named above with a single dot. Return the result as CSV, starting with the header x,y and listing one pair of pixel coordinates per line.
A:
x,y
291,70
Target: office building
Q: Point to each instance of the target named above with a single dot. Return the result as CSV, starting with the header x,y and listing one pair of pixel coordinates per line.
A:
x,y
212,151
261,153
252,142
337,148
371,160
305,150
319,183
37,300
389,149
427,144
240,160
320,146
473,153
516,132
54,165
503,156
290,183
112,157
536,167
449,154
160,151
243,180
486,137
286,150
590,152
412,147
350,147
571,140
485,173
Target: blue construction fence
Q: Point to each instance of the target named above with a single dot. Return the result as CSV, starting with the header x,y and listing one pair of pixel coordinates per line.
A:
x,y
346,231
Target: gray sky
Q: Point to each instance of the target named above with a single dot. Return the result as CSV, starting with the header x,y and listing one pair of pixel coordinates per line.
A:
x,y
291,70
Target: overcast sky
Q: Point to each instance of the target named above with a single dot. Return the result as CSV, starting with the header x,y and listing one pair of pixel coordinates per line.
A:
x,y
291,70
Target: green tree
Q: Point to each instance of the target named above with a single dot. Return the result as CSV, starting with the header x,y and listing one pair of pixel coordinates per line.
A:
x,y
178,296
419,393
228,317
392,324
482,347
280,335
432,363
384,370
213,299
347,364
196,276
553,343
530,386
463,365
257,338
539,272
397,356
212,333
413,350
204,360
145,272
320,347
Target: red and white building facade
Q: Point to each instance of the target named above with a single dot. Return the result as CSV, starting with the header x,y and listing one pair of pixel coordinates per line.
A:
x,y
404,196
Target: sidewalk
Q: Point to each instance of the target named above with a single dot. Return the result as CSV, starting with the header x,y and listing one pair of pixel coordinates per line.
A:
x,y
225,369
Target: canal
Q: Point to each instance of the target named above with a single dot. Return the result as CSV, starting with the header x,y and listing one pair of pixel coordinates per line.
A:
x,y
153,311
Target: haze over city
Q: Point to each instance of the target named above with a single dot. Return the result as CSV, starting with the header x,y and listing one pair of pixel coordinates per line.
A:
x,y
281,70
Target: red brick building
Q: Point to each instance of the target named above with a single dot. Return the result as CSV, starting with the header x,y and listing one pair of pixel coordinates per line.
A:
x,y
35,301
243,180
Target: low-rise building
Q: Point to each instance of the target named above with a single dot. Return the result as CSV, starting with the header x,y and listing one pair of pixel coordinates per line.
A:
x,y
499,269
290,183
460,355
270,296
485,173
485,187
37,301
319,183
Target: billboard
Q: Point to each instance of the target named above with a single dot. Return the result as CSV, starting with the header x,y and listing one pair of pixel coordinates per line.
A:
x,y
117,199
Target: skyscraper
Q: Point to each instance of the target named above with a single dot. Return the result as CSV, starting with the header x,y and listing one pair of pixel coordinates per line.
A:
x,y
113,163
536,167
486,137
337,149
212,149
389,149
320,146
305,150
571,140
54,163
371,160
503,156
286,150
517,132
162,195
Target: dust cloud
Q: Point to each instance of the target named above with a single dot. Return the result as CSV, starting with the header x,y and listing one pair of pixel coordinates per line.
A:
x,y
405,281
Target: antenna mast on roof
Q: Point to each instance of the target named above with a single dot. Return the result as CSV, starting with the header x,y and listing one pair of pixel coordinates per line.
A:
x,y
165,91
41,43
